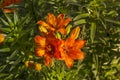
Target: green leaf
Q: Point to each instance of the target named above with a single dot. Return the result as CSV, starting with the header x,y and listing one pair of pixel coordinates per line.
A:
x,y
78,22
2,67
81,16
4,22
24,20
110,72
5,50
102,40
16,19
9,20
92,31
12,55
6,30
9,77
3,75
112,13
113,21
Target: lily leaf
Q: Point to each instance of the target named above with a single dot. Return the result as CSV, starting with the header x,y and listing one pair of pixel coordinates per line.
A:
x,y
92,31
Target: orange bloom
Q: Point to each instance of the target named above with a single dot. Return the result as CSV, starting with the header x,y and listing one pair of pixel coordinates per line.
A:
x,y
8,3
2,37
54,23
37,66
70,49
47,47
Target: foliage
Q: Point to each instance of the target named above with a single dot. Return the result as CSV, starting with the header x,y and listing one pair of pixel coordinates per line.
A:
x,y
99,21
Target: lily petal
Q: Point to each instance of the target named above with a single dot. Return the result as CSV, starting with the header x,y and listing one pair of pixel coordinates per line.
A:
x,y
63,23
62,30
76,54
69,42
41,41
2,38
60,17
69,61
40,52
47,59
6,10
79,44
51,19
45,25
66,21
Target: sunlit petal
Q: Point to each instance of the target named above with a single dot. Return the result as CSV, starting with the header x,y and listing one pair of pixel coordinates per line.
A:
x,y
76,54
62,30
63,23
41,41
51,19
39,52
43,29
69,42
45,25
66,21
79,44
69,61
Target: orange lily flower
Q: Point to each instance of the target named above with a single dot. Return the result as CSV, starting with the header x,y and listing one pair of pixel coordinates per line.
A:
x,y
70,49
38,66
2,37
54,23
47,47
8,3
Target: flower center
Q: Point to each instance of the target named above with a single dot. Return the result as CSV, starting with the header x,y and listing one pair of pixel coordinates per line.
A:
x,y
50,49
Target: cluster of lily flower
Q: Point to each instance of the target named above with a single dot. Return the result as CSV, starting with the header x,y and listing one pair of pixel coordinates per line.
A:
x,y
56,40
54,43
